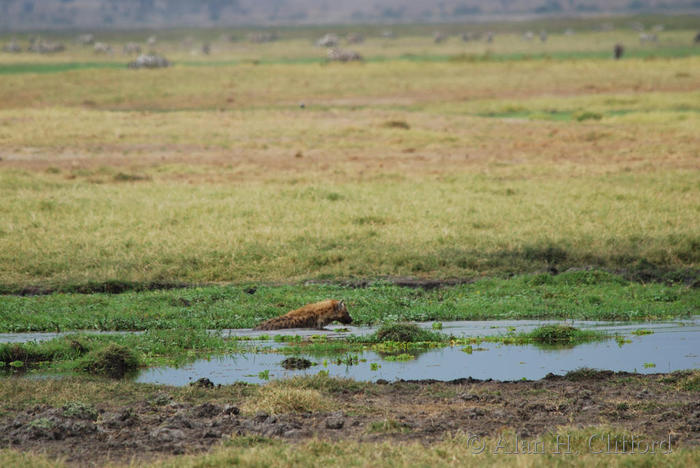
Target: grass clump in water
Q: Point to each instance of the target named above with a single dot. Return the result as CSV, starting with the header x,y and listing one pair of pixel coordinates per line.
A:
x,y
112,361
296,363
562,335
405,333
401,357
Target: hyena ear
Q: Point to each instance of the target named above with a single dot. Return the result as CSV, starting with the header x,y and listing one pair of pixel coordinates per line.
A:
x,y
341,304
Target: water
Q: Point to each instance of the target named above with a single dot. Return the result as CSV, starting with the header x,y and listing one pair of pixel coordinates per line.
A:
x,y
465,328
672,346
46,336
458,328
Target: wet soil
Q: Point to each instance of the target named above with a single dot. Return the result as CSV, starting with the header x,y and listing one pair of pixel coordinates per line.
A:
x,y
642,272
423,411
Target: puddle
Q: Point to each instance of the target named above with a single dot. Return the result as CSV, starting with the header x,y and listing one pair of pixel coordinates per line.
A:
x,y
672,346
458,328
465,328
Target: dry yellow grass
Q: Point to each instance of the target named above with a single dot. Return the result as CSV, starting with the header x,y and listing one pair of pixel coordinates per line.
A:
x,y
284,399
456,451
216,174
460,450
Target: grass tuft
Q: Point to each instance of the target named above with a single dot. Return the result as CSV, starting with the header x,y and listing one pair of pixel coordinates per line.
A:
x,y
296,363
562,335
79,410
405,333
113,360
402,124
281,399
587,115
124,177
586,373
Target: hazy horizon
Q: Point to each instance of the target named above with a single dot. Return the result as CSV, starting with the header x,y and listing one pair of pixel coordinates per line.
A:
x,y
101,14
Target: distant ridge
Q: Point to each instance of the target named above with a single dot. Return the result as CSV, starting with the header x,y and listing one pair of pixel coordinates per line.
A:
x,y
98,14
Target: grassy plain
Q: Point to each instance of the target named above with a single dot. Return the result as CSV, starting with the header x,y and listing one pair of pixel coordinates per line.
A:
x,y
450,168
493,162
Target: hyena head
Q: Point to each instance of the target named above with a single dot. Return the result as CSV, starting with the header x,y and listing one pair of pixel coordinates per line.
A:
x,y
340,313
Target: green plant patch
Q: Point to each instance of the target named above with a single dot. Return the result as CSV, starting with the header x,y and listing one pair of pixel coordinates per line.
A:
x,y
563,335
114,361
540,296
404,333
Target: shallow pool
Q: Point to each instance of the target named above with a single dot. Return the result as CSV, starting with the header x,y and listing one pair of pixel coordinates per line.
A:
x,y
672,346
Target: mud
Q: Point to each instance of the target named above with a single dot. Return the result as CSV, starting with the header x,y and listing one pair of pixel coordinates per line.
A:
x,y
108,287
648,405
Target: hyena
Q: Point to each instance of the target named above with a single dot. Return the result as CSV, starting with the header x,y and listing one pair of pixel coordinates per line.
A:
x,y
316,315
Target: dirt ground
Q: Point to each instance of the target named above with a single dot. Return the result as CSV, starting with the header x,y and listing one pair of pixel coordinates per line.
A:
x,y
654,406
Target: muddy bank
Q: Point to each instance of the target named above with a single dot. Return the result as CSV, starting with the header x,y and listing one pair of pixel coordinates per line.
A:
x,y
643,273
164,424
107,287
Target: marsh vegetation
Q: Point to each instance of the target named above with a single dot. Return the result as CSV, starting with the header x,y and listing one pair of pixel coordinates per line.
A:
x,y
493,178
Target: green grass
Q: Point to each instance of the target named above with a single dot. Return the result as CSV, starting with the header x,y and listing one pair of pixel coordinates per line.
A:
x,y
558,335
657,53
592,295
115,355
36,353
21,68
404,333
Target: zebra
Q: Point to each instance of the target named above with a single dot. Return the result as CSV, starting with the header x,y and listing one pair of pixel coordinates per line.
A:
x,y
329,40
149,61
439,37
102,48
85,39
644,37
342,55
131,48
12,47
40,46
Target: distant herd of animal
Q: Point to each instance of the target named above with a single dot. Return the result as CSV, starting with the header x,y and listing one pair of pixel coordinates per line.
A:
x,y
330,41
